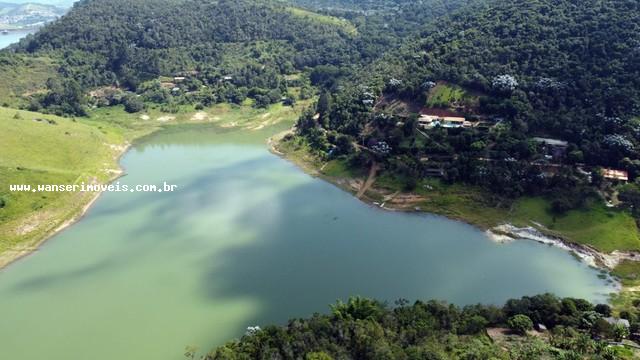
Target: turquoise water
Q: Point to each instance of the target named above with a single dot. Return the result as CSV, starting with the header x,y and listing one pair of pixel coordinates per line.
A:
x,y
248,239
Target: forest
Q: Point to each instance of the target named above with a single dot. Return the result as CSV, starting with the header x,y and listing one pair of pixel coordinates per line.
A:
x,y
227,50
531,69
555,70
535,327
551,70
545,95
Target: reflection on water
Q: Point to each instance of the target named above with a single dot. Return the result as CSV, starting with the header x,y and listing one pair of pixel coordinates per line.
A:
x,y
247,239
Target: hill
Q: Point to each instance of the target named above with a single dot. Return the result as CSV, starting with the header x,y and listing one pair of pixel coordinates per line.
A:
x,y
27,15
133,41
234,48
541,69
573,63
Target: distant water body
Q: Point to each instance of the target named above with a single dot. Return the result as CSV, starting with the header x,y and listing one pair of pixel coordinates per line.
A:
x,y
13,37
248,239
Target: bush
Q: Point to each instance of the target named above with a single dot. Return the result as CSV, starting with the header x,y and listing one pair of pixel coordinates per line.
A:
x,y
132,104
473,325
520,324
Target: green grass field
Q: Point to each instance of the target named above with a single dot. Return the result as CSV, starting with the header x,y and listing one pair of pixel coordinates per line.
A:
x,y
629,274
444,95
23,75
325,19
45,149
40,149
605,229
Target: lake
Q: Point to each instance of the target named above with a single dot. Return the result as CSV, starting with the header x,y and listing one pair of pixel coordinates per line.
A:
x,y
247,239
13,37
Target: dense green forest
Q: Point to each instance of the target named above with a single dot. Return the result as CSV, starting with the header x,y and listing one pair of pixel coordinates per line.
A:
x,y
551,69
551,88
227,50
367,329
559,70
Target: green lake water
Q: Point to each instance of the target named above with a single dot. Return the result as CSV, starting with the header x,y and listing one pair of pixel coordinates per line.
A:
x,y
247,239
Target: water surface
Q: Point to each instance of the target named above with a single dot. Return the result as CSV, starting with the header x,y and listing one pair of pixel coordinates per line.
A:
x,y
13,37
248,239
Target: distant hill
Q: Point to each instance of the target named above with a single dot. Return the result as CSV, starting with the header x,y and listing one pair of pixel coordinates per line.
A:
x,y
27,15
234,48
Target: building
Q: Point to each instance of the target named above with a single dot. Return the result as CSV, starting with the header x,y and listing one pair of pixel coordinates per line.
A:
x,y
613,321
613,174
551,142
554,148
430,118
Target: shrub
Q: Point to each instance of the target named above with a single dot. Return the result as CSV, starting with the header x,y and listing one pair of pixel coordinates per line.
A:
x,y
520,324
132,104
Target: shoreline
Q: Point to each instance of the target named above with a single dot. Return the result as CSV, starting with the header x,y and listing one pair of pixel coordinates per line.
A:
x,y
502,233
507,232
20,251
8,258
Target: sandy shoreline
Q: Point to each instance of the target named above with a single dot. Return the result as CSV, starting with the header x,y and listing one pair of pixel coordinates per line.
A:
x,y
11,256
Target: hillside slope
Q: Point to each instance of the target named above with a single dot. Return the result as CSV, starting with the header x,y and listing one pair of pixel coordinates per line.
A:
x,y
574,63
142,39
27,14
44,149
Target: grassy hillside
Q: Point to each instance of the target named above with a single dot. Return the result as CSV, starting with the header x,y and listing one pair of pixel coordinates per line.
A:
x,y
45,149
445,95
42,149
605,229
23,75
325,19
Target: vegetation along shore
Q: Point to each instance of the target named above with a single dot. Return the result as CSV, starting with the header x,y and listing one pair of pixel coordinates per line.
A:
x,y
520,117
87,149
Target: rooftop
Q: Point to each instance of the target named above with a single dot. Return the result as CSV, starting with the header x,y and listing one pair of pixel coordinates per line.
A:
x,y
615,174
614,321
552,142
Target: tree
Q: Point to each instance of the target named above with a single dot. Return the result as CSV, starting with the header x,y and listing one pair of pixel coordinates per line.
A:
x,y
357,308
620,332
603,309
630,194
474,325
520,324
132,104
323,107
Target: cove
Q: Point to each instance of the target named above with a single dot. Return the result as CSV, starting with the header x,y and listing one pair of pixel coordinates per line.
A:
x,y
13,37
247,239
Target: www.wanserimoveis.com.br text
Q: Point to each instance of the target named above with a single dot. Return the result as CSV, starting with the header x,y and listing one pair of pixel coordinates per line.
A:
x,y
83,187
